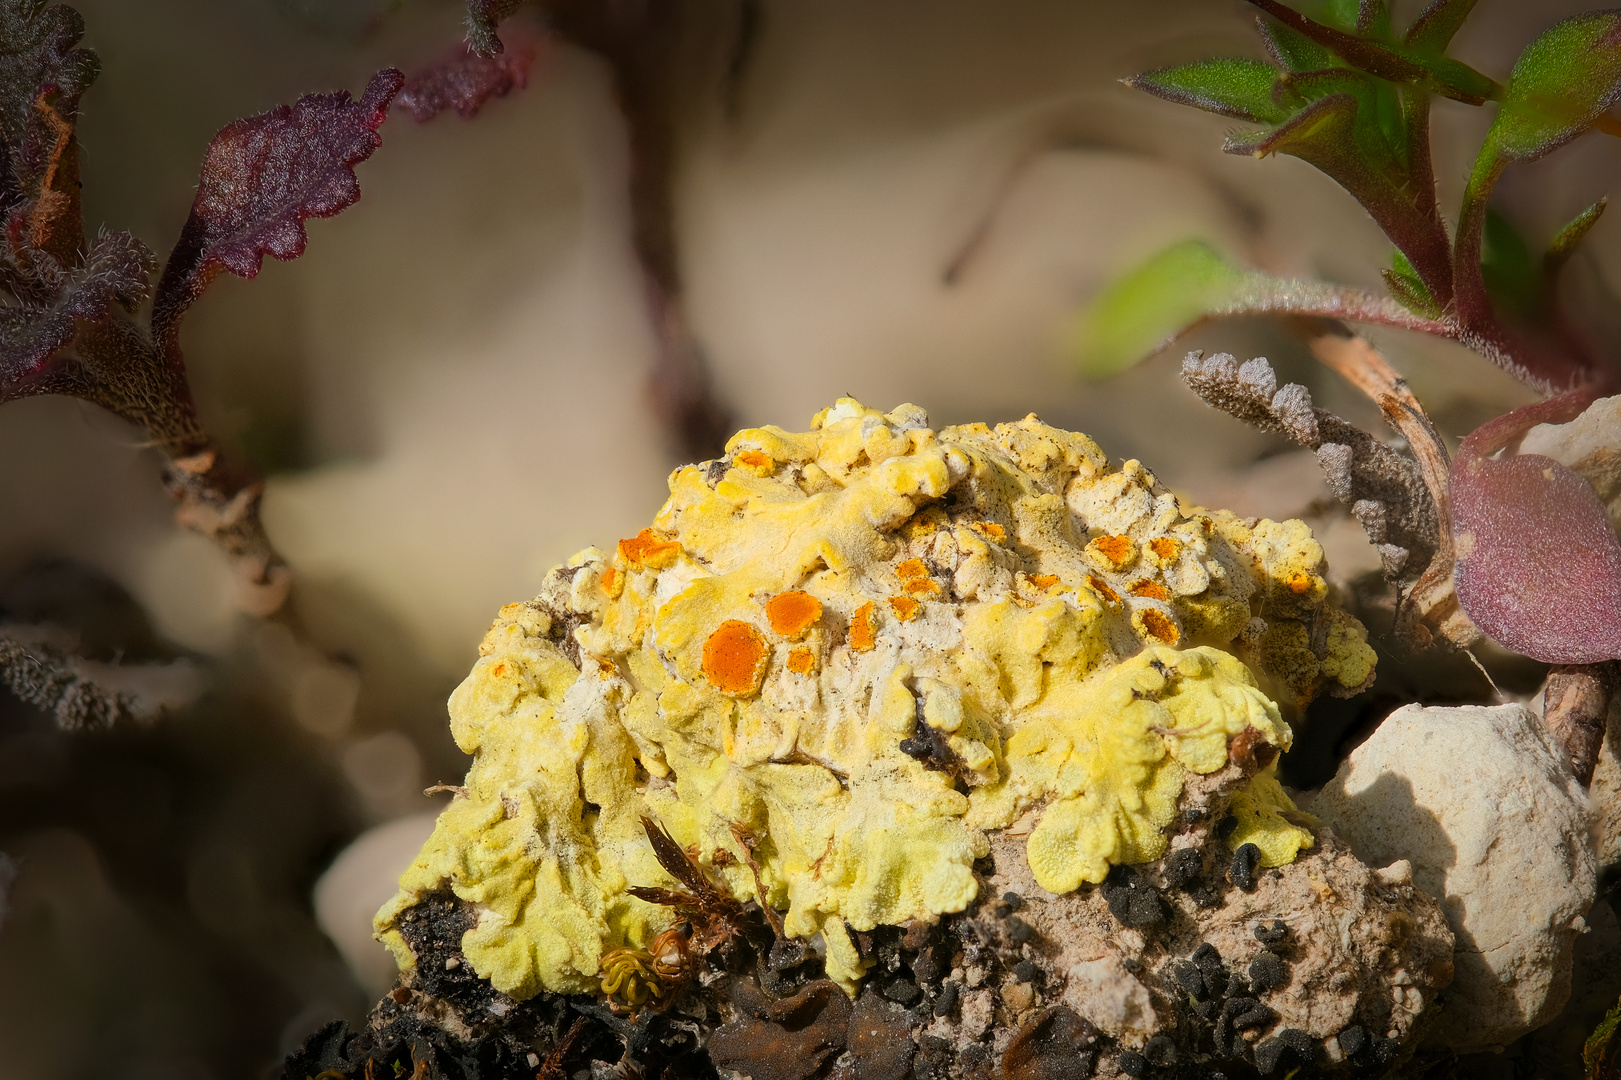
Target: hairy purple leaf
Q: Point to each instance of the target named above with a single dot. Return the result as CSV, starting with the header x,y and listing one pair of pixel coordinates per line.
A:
x,y
1539,565
464,83
262,179
33,337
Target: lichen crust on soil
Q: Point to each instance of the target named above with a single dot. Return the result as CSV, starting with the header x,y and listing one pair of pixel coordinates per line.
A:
x,y
763,774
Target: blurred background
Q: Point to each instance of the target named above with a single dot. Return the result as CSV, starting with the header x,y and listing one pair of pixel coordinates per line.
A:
x,y
897,200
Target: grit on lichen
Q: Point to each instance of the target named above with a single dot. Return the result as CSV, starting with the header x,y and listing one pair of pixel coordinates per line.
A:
x,y
760,660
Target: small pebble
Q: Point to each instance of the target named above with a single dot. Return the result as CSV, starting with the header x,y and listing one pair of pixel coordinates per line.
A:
x,y
452,963
1352,1040
1024,971
1242,871
534,1060
1133,1063
947,999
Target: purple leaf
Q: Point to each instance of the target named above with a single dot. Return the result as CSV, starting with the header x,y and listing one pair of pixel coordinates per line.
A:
x,y
1539,565
464,83
262,179
34,336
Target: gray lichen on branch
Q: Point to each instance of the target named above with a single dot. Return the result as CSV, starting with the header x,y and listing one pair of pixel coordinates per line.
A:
x,y
1385,491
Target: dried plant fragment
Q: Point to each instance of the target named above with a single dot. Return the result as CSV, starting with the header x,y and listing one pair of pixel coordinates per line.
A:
x,y
464,83
1539,565
1385,491
83,694
41,78
788,1039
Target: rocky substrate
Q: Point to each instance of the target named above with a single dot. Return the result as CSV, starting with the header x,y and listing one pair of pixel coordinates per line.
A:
x,y
1199,965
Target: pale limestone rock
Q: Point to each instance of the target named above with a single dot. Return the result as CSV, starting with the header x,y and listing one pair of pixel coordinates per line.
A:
x,y
1605,792
1495,827
1107,994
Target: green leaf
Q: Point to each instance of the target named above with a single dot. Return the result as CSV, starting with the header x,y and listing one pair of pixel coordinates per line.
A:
x,y
1329,134
1292,49
1560,86
1409,289
1340,14
1380,130
1433,29
1565,241
1446,76
1148,307
1513,278
1373,19
1229,86
1143,310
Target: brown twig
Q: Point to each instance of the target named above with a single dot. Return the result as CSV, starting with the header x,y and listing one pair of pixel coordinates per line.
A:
x,y
1431,607
639,42
1576,706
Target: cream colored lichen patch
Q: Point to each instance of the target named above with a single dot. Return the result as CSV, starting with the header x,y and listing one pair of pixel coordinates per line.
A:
x,y
762,658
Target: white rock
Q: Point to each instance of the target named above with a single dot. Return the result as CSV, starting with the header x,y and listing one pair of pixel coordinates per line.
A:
x,y
1107,994
1495,828
1605,792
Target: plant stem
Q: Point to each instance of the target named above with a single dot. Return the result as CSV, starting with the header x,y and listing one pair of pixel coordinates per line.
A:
x,y
1576,705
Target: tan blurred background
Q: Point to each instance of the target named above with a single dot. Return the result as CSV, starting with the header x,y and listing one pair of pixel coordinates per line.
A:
x,y
447,394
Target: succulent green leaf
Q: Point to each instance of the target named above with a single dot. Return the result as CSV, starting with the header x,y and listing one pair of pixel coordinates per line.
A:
x,y
1445,76
1409,289
1433,29
1330,135
1292,49
1379,128
1513,277
1230,86
1373,19
1147,307
1560,86
1565,241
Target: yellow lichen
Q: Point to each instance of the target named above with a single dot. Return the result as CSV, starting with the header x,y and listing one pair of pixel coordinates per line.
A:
x,y
647,684
1259,811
